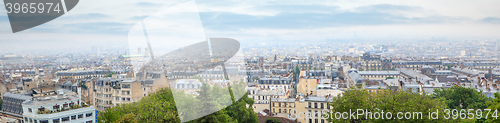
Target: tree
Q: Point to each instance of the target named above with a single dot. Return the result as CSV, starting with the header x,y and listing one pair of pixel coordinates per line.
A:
x,y
128,118
387,101
157,107
215,103
1,101
272,120
110,74
458,97
494,105
389,78
296,71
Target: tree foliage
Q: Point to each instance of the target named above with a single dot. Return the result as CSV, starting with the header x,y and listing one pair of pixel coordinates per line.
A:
x,y
128,118
458,97
272,120
387,101
219,105
494,104
157,107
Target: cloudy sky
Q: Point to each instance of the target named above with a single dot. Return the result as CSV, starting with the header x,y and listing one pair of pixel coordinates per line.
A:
x,y
107,23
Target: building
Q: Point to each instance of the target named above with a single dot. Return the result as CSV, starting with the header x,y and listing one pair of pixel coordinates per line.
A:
x,y
63,106
268,82
12,105
380,75
190,86
110,92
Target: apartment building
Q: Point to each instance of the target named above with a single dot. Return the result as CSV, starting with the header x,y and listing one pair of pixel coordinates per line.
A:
x,y
303,109
262,96
110,92
273,81
62,106
380,75
12,105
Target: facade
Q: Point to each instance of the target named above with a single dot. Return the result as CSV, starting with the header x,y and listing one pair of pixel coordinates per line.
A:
x,y
12,104
80,74
268,82
379,75
110,92
57,108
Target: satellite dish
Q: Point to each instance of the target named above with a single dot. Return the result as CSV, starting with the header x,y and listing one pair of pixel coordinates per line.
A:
x,y
174,39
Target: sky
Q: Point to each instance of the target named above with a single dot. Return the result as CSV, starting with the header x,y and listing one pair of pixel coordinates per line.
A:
x,y
107,23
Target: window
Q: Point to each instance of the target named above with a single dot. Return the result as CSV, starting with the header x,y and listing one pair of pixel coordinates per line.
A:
x,y
309,105
322,106
88,115
125,92
125,85
90,121
128,99
55,120
315,105
117,98
80,116
279,110
29,109
44,121
123,99
73,117
65,119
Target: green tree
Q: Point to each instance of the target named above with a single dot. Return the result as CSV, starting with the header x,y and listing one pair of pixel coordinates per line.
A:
x,y
272,120
161,107
389,78
157,107
1,101
387,101
238,110
494,105
110,74
128,118
458,97
296,71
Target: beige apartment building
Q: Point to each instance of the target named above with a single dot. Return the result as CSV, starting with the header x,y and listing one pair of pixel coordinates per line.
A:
x,y
303,109
110,92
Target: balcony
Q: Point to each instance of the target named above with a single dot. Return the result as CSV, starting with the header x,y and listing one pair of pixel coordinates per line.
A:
x,y
74,107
